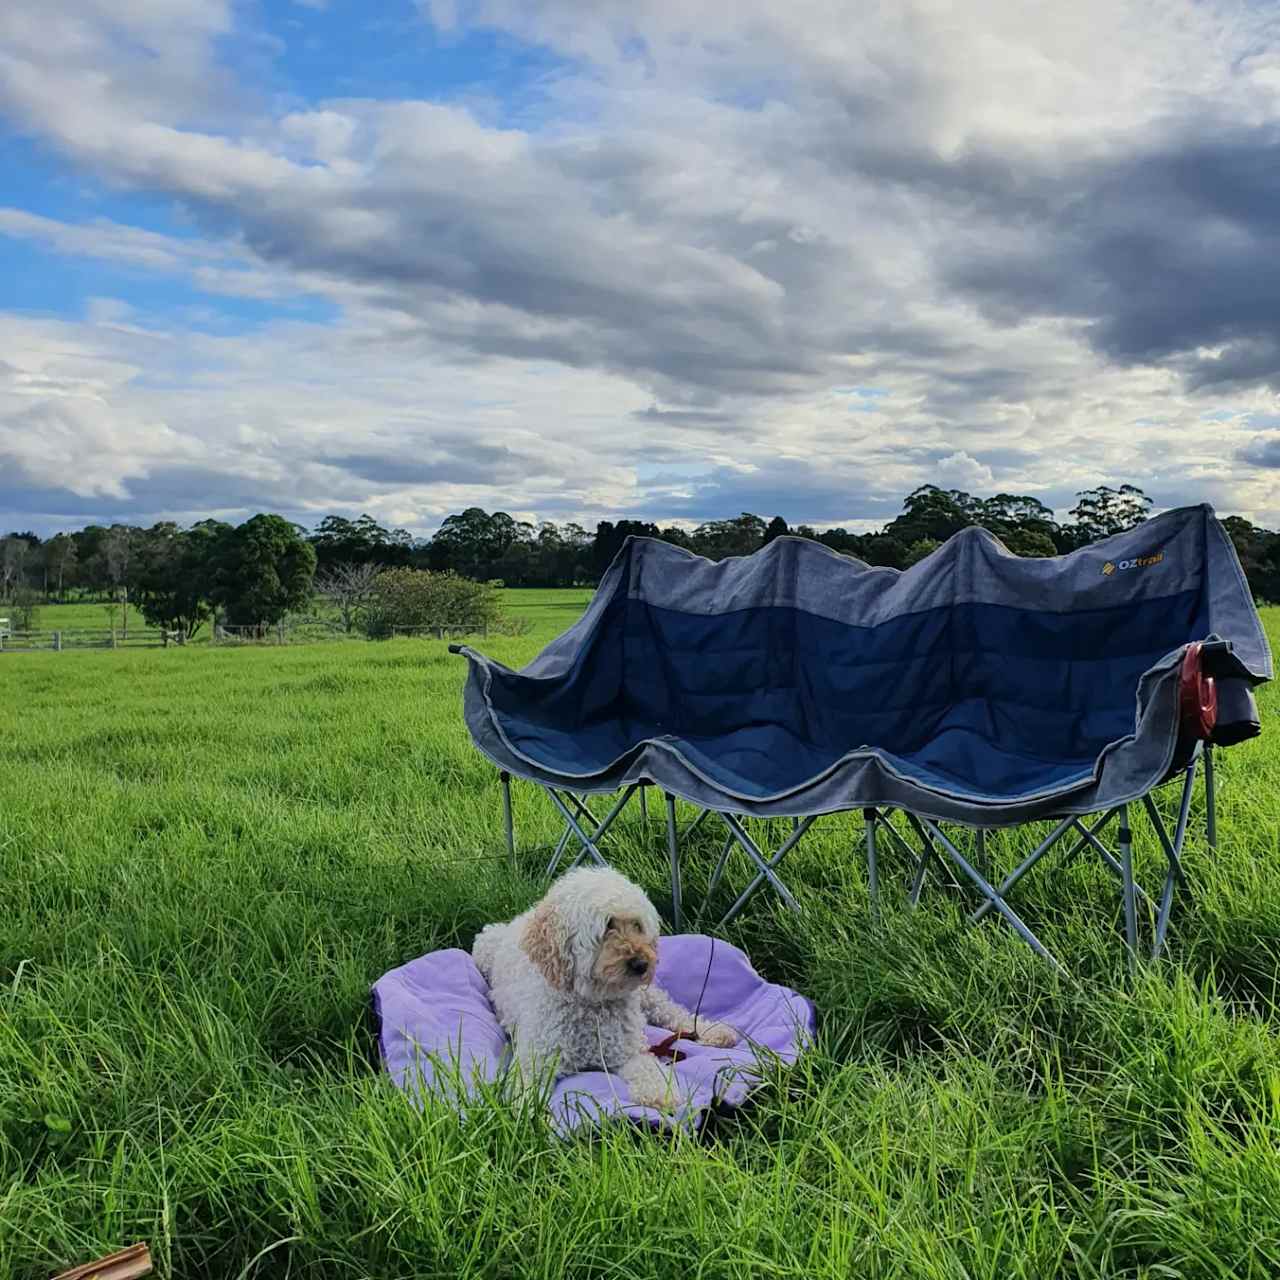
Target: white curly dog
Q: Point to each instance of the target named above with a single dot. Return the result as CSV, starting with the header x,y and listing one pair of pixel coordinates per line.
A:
x,y
572,983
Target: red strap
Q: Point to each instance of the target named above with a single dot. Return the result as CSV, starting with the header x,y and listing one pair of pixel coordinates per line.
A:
x,y
1198,695
666,1048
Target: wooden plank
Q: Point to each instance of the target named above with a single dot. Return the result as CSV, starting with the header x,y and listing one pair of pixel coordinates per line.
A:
x,y
127,1264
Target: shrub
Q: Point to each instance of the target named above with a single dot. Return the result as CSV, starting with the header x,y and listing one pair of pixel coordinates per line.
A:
x,y
421,598
26,609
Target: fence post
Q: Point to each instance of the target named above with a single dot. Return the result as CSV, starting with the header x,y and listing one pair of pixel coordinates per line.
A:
x,y
57,642
280,630
113,635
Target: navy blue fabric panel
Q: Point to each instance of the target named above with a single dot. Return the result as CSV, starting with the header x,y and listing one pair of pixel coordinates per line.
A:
x,y
982,699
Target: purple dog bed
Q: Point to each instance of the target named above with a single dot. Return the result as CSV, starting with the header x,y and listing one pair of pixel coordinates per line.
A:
x,y
437,1028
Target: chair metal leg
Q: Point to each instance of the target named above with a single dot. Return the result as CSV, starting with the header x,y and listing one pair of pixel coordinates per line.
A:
x,y
931,853
1086,835
574,828
766,866
1130,898
507,821
1024,866
558,852
1173,851
992,896
869,817
673,853
584,811
917,880
697,822
1210,799
721,863
920,859
1109,860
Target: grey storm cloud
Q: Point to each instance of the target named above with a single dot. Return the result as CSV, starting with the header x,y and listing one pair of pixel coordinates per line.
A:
x,y
1263,451
461,464
1168,254
683,417
801,492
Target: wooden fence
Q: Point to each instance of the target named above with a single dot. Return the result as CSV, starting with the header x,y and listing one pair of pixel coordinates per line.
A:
x,y
60,641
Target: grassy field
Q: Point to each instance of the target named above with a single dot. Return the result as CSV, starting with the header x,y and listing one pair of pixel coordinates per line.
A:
x,y
207,856
82,615
549,611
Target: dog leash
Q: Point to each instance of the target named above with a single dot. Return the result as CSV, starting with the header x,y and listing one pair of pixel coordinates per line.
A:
x,y
666,1048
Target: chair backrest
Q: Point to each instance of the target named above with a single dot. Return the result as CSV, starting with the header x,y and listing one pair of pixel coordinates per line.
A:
x,y
1043,656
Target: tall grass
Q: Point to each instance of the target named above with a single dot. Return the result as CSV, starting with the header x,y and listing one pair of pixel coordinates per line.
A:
x,y
207,856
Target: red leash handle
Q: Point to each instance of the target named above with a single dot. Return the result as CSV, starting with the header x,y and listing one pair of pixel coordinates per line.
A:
x,y
1198,695
667,1048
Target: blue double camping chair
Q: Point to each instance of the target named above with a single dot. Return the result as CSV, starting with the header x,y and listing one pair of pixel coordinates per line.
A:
x,y
975,690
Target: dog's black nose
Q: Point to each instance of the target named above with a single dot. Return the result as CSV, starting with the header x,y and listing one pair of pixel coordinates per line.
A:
x,y
638,965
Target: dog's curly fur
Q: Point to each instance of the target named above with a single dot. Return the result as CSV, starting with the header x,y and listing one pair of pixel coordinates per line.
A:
x,y
572,983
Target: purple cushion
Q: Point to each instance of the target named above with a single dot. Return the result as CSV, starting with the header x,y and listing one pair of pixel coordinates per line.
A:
x,y
437,1026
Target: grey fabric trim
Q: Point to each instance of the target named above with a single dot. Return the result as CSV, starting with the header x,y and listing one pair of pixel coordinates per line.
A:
x,y
971,567
1126,770
1232,614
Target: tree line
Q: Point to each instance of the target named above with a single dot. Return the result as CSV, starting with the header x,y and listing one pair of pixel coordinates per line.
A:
x,y
256,572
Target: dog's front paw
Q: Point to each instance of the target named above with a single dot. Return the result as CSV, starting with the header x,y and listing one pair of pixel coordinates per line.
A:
x,y
648,1084
719,1035
658,1099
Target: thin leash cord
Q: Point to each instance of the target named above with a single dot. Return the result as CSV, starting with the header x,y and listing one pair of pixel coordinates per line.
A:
x,y
706,977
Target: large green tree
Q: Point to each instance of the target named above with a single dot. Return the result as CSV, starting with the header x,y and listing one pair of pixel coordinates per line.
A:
x,y
1025,525
59,561
717,539
265,568
177,574
1104,511
472,541
339,541
776,528
1259,553
931,514
610,537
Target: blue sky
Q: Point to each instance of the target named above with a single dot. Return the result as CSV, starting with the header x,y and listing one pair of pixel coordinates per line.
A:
x,y
655,259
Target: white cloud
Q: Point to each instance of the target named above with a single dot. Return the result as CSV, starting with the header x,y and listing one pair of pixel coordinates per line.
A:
x,y
725,214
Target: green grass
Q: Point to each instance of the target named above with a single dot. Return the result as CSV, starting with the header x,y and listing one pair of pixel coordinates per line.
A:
x,y
550,611
88,616
207,856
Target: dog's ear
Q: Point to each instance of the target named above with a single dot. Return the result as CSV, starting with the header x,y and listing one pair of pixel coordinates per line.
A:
x,y
546,943
653,921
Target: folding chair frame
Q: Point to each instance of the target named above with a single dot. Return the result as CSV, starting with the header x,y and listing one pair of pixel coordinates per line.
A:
x,y
937,850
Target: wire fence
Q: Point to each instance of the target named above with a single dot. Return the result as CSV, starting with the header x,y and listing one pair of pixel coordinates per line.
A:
x,y
443,630
304,630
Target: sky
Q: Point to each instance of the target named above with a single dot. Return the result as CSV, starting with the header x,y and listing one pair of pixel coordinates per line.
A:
x,y
656,260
